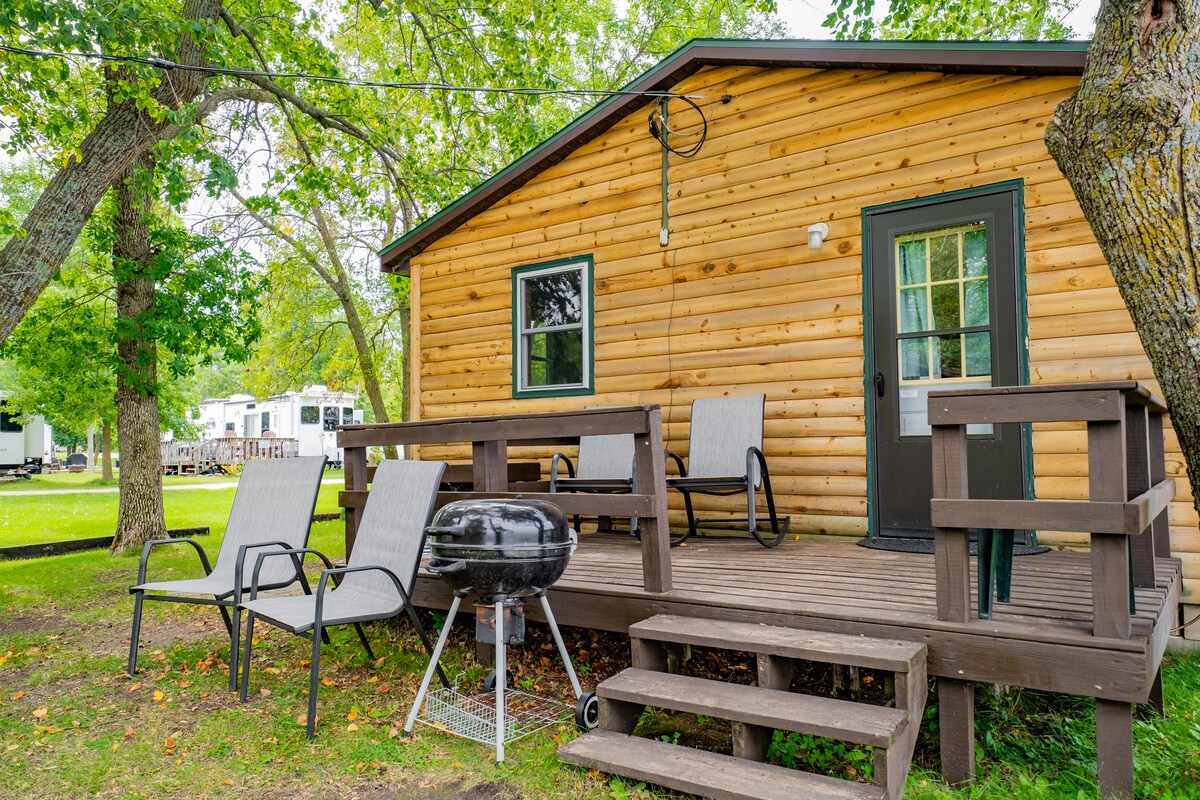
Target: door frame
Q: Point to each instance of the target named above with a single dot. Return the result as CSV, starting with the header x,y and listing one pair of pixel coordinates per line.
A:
x,y
1017,189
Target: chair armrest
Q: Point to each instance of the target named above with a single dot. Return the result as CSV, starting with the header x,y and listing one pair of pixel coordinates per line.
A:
x,y
670,456
153,543
754,454
554,462
298,551
238,567
331,573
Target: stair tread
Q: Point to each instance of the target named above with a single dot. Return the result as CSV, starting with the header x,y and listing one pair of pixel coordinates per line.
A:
x,y
699,772
754,705
831,648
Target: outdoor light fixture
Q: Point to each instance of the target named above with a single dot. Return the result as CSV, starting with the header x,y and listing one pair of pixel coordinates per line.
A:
x,y
817,234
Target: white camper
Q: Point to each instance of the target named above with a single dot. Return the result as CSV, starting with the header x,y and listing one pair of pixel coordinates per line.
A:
x,y
24,446
311,417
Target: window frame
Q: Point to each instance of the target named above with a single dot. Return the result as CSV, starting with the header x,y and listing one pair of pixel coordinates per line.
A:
x,y
585,266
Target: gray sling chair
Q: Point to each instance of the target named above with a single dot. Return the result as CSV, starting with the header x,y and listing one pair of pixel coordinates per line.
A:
x,y
272,508
725,457
375,584
605,465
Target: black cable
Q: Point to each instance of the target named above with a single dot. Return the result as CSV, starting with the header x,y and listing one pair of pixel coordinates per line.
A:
x,y
166,64
660,130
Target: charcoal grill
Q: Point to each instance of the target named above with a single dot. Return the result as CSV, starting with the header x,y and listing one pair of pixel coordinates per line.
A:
x,y
501,552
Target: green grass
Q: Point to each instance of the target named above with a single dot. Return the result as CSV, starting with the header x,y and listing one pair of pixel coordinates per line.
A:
x,y
92,480
37,519
72,725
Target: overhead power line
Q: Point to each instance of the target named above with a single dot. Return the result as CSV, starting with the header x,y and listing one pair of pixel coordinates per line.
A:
x,y
167,64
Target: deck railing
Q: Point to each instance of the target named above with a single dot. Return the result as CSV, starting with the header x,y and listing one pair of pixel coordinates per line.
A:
x,y
1125,515
225,452
491,474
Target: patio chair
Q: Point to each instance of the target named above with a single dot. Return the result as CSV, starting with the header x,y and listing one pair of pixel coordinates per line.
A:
x,y
272,508
605,465
375,584
725,458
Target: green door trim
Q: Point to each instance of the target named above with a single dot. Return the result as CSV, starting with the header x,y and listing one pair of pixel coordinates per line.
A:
x,y
1017,189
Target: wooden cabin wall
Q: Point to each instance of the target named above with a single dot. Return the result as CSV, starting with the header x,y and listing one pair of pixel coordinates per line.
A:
x,y
738,303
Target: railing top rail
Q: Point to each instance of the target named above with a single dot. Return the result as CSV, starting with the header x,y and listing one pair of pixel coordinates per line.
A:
x,y
543,428
1134,391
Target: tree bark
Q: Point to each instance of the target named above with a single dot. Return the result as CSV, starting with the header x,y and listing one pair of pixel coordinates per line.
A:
x,y
1127,141
106,472
28,261
140,518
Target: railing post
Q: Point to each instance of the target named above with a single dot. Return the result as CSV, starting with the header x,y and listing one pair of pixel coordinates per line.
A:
x,y
654,529
1110,552
355,464
951,546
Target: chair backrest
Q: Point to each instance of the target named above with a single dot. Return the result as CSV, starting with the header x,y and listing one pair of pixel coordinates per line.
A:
x,y
391,532
605,457
274,502
722,430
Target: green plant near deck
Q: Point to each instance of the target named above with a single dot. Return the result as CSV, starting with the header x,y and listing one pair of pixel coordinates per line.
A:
x,y
825,756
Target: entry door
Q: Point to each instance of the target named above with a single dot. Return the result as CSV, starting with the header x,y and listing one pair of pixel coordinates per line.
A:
x,y
943,313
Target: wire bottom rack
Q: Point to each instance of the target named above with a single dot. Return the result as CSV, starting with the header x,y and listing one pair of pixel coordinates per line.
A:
x,y
473,716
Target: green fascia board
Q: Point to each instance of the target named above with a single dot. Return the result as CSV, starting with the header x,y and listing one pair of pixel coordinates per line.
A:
x,y
695,50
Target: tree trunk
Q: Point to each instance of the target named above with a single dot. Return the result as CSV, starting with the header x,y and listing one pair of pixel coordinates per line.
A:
x,y
140,518
1127,141
29,261
106,451
366,362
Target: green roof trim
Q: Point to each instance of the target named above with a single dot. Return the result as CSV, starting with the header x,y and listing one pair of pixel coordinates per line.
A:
x,y
1021,58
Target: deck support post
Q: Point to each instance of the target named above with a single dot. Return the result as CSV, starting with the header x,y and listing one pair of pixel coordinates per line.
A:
x,y
1154,705
956,729
654,530
753,741
1114,748
355,463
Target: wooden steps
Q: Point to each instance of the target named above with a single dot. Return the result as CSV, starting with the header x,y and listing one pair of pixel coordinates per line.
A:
x,y
706,774
755,711
786,711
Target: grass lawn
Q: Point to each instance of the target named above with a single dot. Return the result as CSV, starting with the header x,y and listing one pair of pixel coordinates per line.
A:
x,y
36,519
73,725
92,480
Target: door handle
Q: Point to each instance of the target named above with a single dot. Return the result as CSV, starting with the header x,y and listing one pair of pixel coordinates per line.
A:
x,y
879,384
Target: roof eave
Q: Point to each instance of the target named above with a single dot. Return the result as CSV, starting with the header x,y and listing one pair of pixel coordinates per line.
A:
x,y
1018,58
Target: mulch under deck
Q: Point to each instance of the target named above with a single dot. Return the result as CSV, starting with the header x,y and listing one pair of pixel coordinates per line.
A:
x,y
1041,640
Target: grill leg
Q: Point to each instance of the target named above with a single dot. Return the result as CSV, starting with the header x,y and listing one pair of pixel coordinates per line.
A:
x,y
501,680
433,662
562,647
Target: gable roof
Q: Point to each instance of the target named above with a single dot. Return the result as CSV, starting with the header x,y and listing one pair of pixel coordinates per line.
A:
x,y
1010,58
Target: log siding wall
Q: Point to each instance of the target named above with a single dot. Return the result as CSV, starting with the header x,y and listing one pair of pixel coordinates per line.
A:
x,y
738,302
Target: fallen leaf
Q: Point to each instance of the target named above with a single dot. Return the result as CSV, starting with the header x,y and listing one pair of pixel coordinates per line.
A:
x,y
134,687
393,733
227,782
158,696
40,712
353,715
184,683
19,695
351,728
270,670
265,692
128,733
169,743
306,662
302,719
115,746
383,688
327,681
379,661
373,679
11,747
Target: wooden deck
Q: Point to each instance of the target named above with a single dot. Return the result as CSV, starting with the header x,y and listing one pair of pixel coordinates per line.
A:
x,y
1042,639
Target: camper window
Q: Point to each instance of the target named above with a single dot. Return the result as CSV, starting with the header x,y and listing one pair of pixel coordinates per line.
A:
x,y
9,424
552,328
347,415
331,418
310,415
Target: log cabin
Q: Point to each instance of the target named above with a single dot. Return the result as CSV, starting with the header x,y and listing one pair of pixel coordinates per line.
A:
x,y
842,227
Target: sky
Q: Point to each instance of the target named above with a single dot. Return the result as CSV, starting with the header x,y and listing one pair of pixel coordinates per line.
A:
x,y
804,17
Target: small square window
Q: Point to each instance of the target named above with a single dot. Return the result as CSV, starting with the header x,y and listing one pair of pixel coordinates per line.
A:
x,y
552,329
310,415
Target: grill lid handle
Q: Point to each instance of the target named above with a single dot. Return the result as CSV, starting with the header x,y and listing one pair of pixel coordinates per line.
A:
x,y
458,565
453,531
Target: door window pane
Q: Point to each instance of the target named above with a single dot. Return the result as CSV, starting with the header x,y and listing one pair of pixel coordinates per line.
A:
x,y
978,354
912,262
949,356
976,295
975,253
914,359
945,305
943,257
914,310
